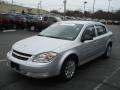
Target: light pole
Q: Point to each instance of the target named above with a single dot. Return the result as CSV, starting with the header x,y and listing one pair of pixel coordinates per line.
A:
x,y
93,7
64,7
109,15
84,7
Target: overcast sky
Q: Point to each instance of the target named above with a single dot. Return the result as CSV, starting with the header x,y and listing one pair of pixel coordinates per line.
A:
x,y
71,4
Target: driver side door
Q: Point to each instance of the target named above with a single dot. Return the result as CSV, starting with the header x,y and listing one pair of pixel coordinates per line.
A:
x,y
88,47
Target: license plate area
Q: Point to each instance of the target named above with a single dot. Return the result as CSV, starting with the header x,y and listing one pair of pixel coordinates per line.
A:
x,y
14,65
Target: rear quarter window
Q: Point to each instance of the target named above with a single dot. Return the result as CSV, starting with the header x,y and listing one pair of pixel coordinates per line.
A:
x,y
100,30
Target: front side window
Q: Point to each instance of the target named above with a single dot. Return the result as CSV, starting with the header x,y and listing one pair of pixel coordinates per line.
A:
x,y
62,31
100,30
90,30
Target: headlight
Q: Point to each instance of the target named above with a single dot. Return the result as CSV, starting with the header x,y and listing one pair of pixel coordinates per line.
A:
x,y
44,57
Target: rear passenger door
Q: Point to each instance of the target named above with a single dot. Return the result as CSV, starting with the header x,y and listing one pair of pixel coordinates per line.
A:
x,y
101,38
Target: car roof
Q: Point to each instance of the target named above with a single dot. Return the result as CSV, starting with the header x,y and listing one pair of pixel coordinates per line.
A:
x,y
81,22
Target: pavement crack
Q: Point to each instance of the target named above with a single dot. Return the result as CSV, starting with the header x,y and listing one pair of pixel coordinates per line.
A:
x,y
9,83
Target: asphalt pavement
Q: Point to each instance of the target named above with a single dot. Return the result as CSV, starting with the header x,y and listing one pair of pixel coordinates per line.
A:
x,y
99,74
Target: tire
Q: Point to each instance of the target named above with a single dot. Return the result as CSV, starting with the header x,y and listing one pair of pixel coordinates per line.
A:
x,y
68,69
14,26
108,51
32,28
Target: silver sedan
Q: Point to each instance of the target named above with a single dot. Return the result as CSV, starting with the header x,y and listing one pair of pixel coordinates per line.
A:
x,y
60,49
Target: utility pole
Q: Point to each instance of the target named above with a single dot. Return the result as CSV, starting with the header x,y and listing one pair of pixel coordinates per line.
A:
x,y
39,8
12,6
109,5
64,7
93,7
109,15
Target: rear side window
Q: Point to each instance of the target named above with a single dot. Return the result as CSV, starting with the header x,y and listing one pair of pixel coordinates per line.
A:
x,y
45,18
100,30
52,19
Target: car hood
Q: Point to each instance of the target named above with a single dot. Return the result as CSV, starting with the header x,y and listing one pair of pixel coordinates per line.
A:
x,y
38,44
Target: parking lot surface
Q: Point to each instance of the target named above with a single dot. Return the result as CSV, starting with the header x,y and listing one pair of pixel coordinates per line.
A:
x,y
99,74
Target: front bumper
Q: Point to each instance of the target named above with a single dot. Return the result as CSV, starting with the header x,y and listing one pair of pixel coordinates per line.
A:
x,y
31,69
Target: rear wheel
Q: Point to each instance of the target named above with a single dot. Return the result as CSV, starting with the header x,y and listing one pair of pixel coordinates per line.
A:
x,y
14,26
68,69
108,51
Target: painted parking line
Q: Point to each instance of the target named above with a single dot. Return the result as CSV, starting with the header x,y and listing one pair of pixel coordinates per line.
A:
x,y
106,79
3,61
9,30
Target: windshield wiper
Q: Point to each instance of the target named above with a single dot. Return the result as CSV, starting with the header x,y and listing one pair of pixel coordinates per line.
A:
x,y
42,35
50,36
54,37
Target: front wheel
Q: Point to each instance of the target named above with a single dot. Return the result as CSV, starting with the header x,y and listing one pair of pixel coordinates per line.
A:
x,y
68,69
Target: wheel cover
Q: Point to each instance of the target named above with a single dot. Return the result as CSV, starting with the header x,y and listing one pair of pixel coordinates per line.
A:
x,y
70,69
32,28
109,51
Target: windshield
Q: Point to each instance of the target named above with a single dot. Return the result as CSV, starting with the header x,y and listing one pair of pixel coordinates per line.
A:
x,y
62,31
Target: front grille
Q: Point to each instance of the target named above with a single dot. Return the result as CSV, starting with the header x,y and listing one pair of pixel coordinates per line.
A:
x,y
24,54
20,55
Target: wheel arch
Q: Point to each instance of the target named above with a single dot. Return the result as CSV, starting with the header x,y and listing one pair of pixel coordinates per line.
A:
x,y
109,43
69,55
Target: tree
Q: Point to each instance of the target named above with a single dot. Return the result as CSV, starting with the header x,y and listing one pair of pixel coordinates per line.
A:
x,y
100,14
55,12
116,15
